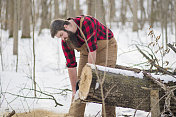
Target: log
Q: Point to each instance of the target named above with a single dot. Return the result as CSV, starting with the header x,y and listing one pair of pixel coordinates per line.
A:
x,y
121,88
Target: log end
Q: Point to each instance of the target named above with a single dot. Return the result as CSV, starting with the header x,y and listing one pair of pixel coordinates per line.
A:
x,y
85,82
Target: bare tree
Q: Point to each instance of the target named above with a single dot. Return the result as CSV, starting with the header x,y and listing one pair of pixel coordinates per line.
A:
x,y
11,17
123,11
70,8
143,14
135,18
152,16
91,7
56,9
26,19
44,17
175,18
6,14
100,11
15,31
112,10
78,8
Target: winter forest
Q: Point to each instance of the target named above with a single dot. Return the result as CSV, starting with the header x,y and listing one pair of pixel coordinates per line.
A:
x,y
34,80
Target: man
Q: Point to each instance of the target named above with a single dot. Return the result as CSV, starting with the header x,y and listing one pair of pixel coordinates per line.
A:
x,y
87,35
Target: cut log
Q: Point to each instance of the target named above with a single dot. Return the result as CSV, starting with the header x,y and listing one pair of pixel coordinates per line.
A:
x,y
121,88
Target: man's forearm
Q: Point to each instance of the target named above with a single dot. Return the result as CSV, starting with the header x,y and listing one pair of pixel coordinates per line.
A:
x,y
92,57
73,78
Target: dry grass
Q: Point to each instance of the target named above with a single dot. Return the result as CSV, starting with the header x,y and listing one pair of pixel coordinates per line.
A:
x,y
39,113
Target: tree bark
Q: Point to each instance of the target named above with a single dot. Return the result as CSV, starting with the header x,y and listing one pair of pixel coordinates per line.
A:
x,y
26,19
119,90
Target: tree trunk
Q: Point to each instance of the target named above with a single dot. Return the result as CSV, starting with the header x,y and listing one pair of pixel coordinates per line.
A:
x,y
15,28
100,11
26,4
143,14
120,89
44,18
175,18
165,9
10,20
135,18
112,11
70,8
6,15
91,7
56,9
152,17
123,12
78,8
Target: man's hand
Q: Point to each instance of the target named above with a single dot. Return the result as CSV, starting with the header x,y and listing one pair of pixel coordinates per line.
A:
x,y
73,79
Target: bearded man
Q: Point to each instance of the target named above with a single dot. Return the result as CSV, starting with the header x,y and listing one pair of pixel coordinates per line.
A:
x,y
88,36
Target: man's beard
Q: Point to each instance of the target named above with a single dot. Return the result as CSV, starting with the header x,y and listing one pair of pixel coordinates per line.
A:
x,y
72,41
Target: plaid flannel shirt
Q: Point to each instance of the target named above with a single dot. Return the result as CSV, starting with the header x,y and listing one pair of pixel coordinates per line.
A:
x,y
93,31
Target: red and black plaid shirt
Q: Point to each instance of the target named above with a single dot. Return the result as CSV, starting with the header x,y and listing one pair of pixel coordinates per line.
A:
x,y
92,29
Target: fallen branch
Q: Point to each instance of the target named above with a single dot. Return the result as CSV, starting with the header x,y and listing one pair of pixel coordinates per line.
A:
x,y
50,97
11,114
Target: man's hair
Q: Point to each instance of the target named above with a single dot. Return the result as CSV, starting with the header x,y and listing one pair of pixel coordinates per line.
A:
x,y
57,25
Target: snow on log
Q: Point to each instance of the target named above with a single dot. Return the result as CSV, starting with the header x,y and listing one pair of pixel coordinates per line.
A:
x,y
121,88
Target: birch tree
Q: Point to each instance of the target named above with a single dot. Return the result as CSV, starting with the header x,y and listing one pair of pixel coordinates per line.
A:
x,y
26,4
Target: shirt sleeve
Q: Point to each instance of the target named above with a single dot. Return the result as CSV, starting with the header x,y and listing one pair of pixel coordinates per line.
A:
x,y
90,32
69,55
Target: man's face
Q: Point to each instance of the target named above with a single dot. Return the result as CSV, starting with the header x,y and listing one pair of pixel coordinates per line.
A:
x,y
62,34
69,37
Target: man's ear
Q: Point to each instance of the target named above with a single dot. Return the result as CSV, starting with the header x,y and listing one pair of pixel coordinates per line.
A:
x,y
66,27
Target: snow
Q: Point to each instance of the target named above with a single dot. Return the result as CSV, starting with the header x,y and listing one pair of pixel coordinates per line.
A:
x,y
117,71
52,75
164,78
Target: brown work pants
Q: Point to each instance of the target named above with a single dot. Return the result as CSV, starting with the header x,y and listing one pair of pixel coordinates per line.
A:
x,y
77,108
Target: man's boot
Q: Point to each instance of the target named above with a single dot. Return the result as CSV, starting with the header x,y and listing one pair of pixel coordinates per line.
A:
x,y
77,109
110,111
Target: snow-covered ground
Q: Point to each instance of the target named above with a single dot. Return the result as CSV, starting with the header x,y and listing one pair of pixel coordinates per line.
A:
x,y
51,72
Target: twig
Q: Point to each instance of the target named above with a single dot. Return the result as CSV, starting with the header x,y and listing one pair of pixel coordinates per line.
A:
x,y
172,47
51,97
153,63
